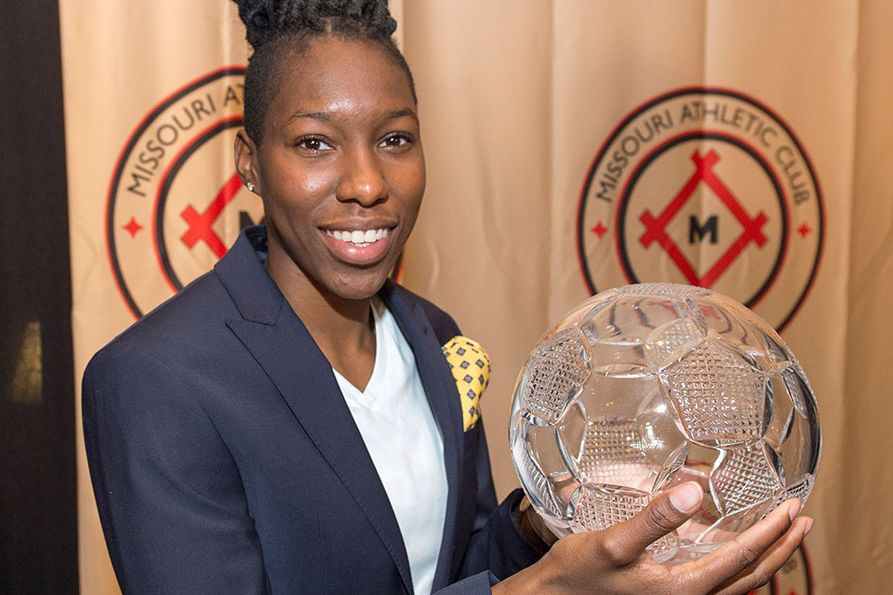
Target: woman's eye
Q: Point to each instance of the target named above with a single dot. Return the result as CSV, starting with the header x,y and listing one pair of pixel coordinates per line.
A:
x,y
396,140
313,144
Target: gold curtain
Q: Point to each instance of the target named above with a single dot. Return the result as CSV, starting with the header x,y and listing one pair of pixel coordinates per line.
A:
x,y
517,98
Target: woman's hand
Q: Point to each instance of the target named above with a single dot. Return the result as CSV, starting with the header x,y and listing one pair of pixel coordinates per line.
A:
x,y
615,560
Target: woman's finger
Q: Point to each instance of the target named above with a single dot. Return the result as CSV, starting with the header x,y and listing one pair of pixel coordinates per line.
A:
x,y
774,558
625,542
733,557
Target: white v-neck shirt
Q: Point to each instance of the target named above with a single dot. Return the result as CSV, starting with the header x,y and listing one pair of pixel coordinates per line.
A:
x,y
396,423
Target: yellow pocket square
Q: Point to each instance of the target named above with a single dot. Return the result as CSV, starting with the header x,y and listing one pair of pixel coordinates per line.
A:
x,y
470,366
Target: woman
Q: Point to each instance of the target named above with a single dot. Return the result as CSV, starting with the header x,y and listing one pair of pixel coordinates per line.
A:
x,y
288,422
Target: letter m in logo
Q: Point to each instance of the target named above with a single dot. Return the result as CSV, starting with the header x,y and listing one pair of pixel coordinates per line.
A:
x,y
697,230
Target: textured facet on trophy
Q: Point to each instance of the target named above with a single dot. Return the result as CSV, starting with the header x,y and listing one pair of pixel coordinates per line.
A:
x,y
644,387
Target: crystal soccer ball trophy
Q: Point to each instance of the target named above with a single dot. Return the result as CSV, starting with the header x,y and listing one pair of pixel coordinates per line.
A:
x,y
644,387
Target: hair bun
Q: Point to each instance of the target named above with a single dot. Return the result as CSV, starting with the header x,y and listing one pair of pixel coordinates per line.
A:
x,y
265,19
391,25
257,16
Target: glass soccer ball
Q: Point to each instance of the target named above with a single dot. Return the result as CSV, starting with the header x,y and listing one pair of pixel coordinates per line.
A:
x,y
644,387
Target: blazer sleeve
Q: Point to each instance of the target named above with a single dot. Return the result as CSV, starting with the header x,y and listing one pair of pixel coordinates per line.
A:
x,y
170,499
496,549
496,544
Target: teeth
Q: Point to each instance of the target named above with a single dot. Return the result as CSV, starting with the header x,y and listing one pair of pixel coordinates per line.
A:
x,y
359,238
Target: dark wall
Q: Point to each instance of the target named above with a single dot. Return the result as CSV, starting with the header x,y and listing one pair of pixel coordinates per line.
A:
x,y
38,499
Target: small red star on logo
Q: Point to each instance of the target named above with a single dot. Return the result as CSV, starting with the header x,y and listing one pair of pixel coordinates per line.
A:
x,y
133,227
804,230
599,230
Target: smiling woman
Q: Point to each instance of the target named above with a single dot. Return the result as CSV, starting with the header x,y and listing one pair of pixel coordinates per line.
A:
x,y
338,162
289,423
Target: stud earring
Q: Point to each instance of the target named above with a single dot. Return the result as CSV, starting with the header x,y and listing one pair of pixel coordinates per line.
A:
x,y
250,186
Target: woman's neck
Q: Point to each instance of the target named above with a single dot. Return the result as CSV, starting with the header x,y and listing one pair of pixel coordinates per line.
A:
x,y
343,329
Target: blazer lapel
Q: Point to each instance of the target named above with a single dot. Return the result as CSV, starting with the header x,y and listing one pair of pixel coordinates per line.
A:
x,y
440,388
280,343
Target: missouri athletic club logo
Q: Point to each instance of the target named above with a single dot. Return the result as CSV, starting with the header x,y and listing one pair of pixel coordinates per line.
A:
x,y
707,187
175,202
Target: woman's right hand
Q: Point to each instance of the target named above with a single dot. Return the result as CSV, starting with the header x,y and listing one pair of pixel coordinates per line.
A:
x,y
615,560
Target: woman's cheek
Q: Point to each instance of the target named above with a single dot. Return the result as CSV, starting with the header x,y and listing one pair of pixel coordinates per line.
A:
x,y
313,184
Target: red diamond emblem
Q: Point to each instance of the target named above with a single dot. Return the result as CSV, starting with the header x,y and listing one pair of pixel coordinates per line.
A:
x,y
132,227
200,224
655,227
599,230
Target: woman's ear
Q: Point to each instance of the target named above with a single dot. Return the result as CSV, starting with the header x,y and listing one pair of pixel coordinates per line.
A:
x,y
245,152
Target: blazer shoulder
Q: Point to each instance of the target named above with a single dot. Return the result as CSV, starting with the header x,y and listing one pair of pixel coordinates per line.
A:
x,y
187,322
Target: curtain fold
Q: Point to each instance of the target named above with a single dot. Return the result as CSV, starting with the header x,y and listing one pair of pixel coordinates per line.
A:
x,y
556,133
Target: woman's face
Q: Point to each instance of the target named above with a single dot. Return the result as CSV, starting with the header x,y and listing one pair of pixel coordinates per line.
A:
x,y
340,167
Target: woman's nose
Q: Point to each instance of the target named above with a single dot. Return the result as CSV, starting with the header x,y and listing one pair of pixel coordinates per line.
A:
x,y
362,179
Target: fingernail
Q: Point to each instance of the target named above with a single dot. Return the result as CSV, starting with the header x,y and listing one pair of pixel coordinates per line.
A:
x,y
808,528
686,497
793,509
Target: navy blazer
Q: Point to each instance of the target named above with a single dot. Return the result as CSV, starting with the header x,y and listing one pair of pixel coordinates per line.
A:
x,y
225,460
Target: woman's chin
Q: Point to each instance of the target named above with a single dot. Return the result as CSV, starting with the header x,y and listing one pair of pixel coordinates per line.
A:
x,y
357,287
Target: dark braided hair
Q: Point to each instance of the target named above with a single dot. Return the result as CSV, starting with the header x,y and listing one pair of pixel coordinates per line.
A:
x,y
274,25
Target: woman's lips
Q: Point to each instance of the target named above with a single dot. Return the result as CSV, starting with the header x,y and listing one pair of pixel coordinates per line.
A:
x,y
360,247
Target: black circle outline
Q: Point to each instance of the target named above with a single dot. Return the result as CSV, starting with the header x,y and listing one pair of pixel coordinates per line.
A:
x,y
135,136
169,177
702,90
642,166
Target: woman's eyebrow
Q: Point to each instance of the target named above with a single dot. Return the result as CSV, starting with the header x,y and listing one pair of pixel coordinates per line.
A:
x,y
325,117
312,115
401,113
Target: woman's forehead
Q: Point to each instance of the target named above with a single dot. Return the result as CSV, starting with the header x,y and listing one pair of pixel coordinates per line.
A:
x,y
336,76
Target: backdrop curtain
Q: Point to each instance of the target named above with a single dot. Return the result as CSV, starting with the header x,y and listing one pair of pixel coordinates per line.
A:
x,y
558,134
